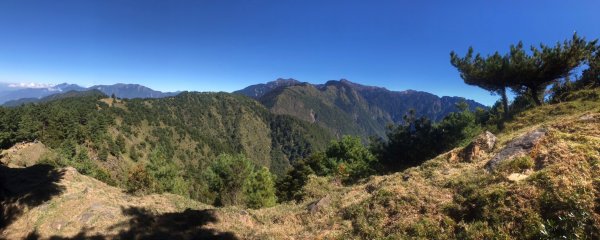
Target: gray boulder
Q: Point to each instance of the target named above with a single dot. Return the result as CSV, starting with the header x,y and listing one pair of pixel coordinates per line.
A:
x,y
518,147
319,205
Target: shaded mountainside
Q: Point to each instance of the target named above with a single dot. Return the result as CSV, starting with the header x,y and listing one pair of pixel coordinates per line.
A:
x,y
349,108
545,185
30,95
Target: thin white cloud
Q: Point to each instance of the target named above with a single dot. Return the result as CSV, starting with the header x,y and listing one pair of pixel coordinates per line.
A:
x,y
30,85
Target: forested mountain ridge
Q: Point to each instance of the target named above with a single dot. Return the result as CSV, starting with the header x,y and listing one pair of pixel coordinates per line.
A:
x,y
109,138
122,90
345,107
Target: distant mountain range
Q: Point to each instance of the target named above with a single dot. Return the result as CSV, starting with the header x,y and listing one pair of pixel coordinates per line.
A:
x,y
341,106
19,95
345,107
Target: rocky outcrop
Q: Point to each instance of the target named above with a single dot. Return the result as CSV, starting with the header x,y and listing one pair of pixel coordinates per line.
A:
x,y
319,205
518,147
484,143
476,150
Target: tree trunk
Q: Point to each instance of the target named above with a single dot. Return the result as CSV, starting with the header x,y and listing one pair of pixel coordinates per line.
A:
x,y
535,94
504,102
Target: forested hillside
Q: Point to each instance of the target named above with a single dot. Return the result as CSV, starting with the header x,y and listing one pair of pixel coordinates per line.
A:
x,y
347,108
167,143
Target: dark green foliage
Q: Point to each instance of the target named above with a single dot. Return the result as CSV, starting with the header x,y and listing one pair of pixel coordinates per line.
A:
x,y
591,76
260,189
531,74
289,187
67,119
526,73
103,154
236,182
490,73
166,174
227,176
207,124
347,159
133,154
293,139
419,139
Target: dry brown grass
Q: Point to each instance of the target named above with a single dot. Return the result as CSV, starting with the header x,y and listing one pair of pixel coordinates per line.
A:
x,y
23,154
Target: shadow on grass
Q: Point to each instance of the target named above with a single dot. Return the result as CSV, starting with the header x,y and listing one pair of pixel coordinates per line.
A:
x,y
143,224
22,188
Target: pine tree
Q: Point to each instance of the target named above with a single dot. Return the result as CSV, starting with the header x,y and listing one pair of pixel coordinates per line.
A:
x,y
524,73
533,73
227,176
490,73
260,189
591,76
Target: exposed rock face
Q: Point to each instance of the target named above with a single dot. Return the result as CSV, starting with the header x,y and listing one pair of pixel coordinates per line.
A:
x,y
484,143
319,205
518,147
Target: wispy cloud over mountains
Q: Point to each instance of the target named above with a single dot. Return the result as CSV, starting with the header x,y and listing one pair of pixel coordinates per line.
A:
x,y
30,85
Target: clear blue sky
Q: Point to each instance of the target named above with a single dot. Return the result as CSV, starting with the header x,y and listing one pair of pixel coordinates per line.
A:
x,y
222,45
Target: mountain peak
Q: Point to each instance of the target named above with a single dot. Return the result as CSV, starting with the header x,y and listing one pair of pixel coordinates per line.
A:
x,y
356,86
284,81
259,90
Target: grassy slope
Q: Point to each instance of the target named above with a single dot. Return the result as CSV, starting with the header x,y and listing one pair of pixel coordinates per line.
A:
x,y
443,198
449,198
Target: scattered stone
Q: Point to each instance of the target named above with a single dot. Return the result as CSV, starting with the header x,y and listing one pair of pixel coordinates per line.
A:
x,y
483,143
516,177
57,225
518,147
405,177
588,118
85,218
319,205
370,188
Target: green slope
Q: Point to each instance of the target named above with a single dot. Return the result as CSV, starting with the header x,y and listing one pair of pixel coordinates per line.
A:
x,y
347,108
189,130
